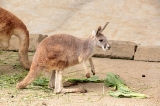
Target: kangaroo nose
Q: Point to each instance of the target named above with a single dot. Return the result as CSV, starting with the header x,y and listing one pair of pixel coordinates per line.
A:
x,y
109,47
104,46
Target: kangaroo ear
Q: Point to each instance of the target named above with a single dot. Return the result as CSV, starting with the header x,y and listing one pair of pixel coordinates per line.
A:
x,y
95,32
104,27
99,29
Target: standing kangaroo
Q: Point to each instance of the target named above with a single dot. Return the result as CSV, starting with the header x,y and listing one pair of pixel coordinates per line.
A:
x,y
57,52
12,25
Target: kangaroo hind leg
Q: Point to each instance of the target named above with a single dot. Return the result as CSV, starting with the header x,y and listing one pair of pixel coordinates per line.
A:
x,y
52,80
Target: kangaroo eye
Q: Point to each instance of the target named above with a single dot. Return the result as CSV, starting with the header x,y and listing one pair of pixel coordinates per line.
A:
x,y
101,40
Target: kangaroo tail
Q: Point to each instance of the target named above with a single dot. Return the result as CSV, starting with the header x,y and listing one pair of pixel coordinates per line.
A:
x,y
23,36
35,70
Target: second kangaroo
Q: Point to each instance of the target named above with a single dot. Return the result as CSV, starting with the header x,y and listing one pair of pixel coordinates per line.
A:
x,y
57,52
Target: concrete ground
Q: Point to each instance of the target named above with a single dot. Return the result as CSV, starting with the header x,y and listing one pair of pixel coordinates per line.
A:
x,y
129,70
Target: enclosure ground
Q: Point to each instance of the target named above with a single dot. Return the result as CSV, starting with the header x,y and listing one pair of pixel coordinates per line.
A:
x,y
129,70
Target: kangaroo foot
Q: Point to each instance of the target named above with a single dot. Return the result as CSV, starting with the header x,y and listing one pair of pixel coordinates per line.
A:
x,y
65,84
71,90
68,84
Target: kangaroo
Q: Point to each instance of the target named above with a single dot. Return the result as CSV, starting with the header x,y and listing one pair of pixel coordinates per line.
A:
x,y
57,52
12,25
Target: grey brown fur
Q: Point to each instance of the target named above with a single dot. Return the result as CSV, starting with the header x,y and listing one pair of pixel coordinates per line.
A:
x,y
57,52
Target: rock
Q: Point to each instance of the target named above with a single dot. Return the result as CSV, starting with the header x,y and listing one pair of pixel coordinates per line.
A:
x,y
147,53
119,50
35,39
143,75
101,53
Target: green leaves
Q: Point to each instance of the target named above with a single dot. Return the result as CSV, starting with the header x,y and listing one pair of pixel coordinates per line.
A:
x,y
119,94
8,81
91,79
113,80
41,82
122,90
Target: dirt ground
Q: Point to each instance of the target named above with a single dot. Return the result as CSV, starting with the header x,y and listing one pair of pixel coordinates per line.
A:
x,y
129,70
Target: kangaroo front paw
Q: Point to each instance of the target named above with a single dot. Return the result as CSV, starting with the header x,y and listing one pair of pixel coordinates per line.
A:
x,y
93,72
88,75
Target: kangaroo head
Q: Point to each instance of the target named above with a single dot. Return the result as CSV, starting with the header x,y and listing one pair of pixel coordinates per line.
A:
x,y
100,39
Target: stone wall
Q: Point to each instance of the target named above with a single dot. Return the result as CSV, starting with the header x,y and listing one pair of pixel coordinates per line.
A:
x,y
130,20
119,49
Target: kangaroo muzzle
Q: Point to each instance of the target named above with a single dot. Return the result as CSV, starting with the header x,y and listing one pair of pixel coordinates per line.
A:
x,y
106,46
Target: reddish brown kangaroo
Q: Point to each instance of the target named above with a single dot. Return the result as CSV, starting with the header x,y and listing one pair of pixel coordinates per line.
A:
x,y
12,25
57,52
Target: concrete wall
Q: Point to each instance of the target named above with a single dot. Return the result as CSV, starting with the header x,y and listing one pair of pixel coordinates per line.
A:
x,y
130,20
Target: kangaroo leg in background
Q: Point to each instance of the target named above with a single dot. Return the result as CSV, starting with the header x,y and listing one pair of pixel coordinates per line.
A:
x,y
52,80
59,86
